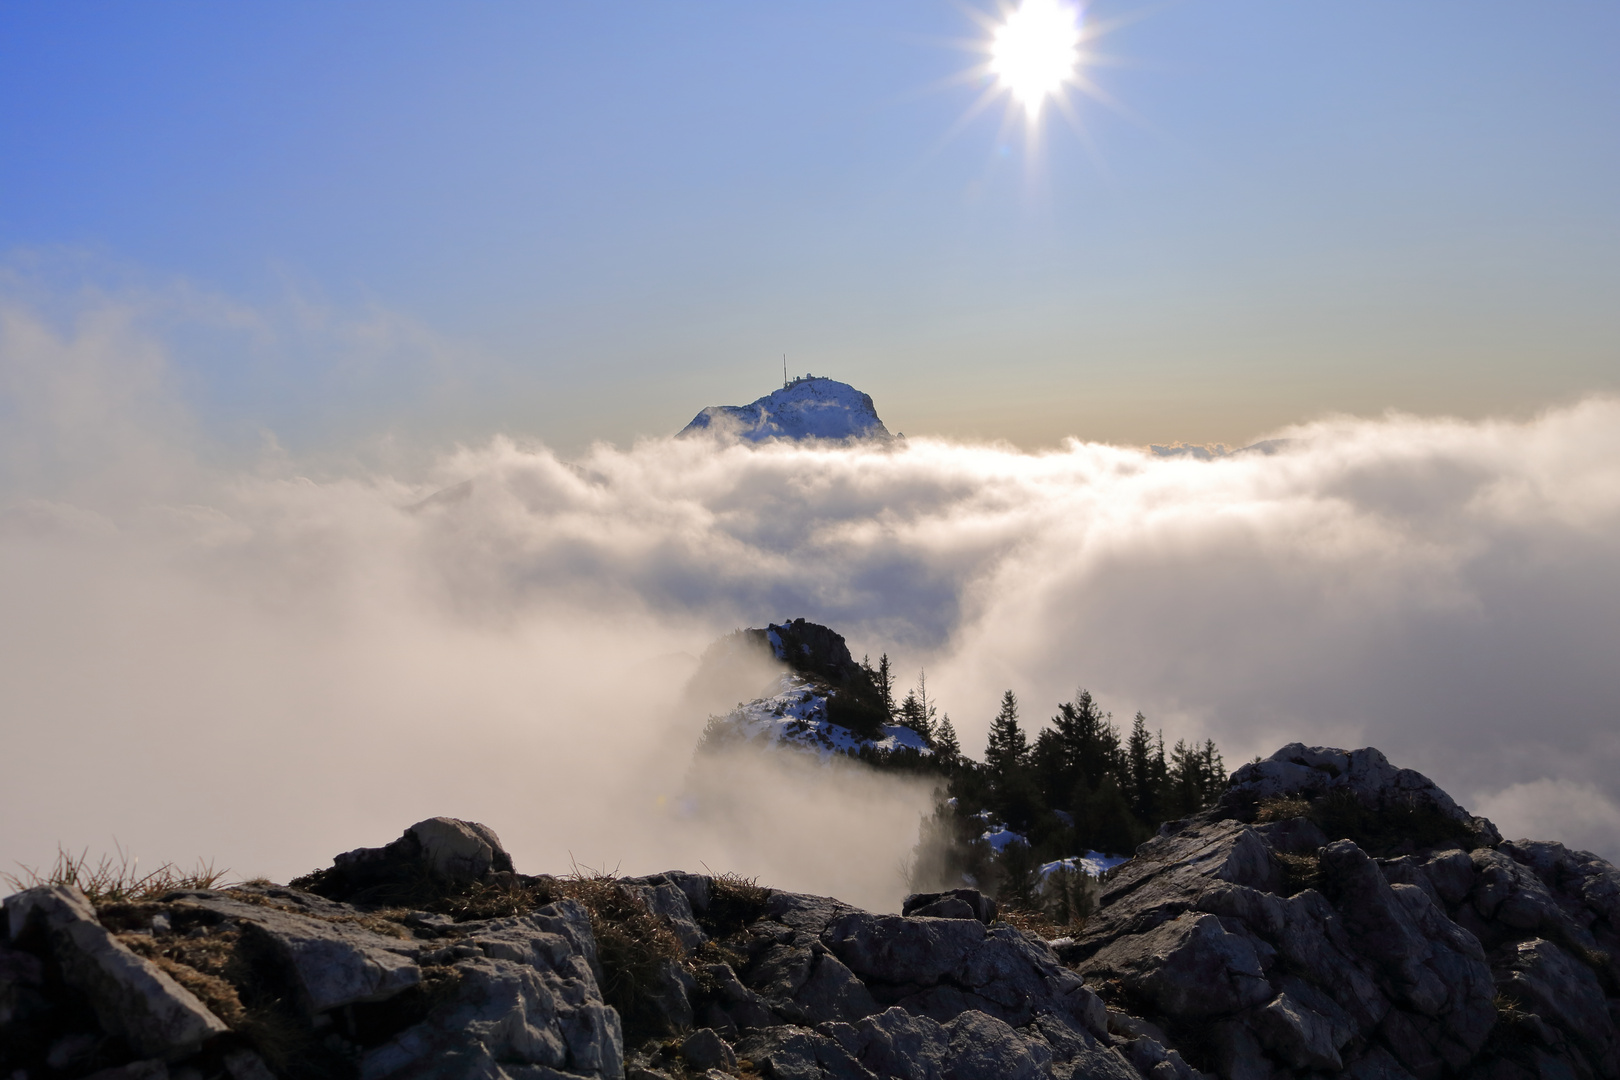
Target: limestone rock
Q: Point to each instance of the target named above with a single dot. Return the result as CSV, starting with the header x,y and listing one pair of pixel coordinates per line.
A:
x,y
1386,968
897,950
1545,980
441,848
334,963
809,985
794,1053
734,1006
954,904
526,996
704,1049
132,998
1190,966
1229,947
666,899
1301,1036
1298,770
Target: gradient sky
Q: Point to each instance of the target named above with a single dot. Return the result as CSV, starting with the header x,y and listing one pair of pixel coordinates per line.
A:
x,y
589,221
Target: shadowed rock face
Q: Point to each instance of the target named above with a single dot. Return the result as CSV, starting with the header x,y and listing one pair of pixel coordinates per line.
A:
x,y
1239,943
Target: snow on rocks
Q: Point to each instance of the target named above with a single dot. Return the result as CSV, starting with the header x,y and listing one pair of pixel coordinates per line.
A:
x,y
1092,863
794,717
811,407
999,836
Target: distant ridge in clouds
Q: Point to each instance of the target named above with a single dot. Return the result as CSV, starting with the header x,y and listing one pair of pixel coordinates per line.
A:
x,y
809,407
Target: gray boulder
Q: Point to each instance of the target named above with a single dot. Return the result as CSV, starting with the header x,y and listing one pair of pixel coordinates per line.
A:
x,y
952,904
897,950
1267,948
334,963
131,997
666,899
1300,771
441,848
1545,980
1191,966
526,997
810,985
704,1049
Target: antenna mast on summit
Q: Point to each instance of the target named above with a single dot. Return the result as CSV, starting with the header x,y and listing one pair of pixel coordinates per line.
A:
x,y
784,371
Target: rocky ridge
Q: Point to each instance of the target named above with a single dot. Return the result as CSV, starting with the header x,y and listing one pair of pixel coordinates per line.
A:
x,y
1332,914
823,703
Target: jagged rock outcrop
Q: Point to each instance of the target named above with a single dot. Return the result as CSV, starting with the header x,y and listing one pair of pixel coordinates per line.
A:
x,y
826,702
1331,915
261,981
1336,914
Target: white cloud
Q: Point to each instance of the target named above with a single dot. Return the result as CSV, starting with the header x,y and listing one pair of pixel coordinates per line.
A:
x,y
1579,815
267,665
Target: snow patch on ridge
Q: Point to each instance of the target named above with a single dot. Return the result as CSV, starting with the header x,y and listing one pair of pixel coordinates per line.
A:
x,y
794,717
1094,863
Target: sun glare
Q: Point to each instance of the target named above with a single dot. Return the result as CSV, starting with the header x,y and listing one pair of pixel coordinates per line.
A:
x,y
1036,50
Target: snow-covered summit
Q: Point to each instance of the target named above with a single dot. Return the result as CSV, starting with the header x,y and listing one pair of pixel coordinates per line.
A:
x,y
809,407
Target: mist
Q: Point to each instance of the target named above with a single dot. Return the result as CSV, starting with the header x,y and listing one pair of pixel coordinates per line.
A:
x,y
267,662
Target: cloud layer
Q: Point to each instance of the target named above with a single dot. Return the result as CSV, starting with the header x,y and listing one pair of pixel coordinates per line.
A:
x,y
268,664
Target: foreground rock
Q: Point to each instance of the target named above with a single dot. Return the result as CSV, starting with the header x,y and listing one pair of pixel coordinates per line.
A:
x,y
263,981
1335,914
1332,915
132,999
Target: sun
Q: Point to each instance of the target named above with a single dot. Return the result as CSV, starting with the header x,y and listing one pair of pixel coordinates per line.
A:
x,y
1036,50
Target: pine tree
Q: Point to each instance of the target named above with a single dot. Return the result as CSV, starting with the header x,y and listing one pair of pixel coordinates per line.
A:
x,y
1007,748
1213,770
885,684
946,747
1018,873
930,712
911,715
1139,769
1196,776
1078,754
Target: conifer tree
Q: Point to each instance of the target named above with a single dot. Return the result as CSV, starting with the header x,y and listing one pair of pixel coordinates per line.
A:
x,y
885,684
1007,747
930,712
1139,768
911,715
946,747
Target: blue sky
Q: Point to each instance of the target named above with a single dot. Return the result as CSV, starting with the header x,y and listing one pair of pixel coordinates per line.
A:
x,y
589,221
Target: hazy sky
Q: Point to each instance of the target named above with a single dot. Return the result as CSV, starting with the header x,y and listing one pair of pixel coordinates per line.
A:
x,y
589,221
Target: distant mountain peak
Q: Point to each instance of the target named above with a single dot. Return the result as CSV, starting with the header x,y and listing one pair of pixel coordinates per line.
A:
x,y
807,407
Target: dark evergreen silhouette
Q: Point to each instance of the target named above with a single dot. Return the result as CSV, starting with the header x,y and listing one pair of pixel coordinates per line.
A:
x,y
1079,786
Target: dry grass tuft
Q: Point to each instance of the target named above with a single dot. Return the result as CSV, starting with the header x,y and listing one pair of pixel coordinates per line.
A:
x,y
633,946
1300,872
495,900
1282,808
734,902
113,881
1037,923
199,965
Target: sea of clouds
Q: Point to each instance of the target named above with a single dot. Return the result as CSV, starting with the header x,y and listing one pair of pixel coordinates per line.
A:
x,y
271,662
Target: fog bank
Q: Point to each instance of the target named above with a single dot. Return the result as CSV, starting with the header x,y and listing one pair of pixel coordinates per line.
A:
x,y
271,663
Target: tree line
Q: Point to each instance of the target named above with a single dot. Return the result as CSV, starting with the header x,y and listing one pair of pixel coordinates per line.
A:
x,y
1080,784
